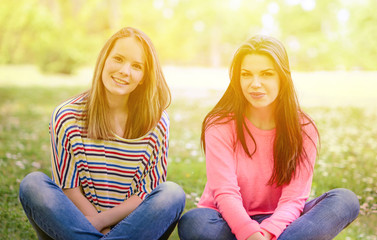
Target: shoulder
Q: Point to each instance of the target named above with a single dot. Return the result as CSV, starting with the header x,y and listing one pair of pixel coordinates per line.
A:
x,y
224,126
71,106
164,120
162,127
71,109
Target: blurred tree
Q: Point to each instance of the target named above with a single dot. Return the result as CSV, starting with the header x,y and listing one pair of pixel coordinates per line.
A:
x,y
60,36
361,43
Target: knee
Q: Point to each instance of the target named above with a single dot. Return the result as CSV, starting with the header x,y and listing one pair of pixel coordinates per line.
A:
x,y
186,218
31,182
32,185
173,190
172,194
203,223
186,225
347,200
192,218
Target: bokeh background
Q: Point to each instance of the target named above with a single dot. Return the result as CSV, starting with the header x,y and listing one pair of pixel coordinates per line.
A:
x,y
48,49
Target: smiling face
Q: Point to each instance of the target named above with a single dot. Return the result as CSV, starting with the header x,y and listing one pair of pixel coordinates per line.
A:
x,y
260,82
124,67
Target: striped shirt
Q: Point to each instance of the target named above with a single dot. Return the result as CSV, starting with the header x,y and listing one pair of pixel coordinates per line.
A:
x,y
109,171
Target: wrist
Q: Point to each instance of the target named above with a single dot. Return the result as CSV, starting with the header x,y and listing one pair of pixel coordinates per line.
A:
x,y
100,221
256,236
96,221
266,234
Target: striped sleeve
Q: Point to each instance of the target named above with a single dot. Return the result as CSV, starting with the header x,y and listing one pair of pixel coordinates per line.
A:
x,y
64,172
156,166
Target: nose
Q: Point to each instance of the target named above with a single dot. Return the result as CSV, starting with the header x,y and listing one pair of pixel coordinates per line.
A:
x,y
256,82
125,69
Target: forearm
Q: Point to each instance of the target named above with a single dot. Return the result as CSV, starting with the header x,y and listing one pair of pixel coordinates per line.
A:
x,y
106,218
257,236
83,204
80,201
116,214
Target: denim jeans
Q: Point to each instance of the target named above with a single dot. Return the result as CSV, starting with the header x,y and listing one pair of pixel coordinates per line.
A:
x,y
322,218
54,216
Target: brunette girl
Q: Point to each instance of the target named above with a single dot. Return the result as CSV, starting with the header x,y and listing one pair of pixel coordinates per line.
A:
x,y
260,150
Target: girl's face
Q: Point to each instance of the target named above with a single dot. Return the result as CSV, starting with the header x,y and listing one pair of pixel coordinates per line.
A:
x,y
124,67
260,82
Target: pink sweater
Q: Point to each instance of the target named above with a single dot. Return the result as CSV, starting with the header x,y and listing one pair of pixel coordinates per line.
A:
x,y
237,185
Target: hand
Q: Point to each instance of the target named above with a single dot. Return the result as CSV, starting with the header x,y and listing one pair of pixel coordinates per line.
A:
x,y
266,234
105,230
257,236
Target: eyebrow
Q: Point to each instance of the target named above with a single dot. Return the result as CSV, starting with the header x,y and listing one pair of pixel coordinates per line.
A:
x,y
141,63
264,70
118,54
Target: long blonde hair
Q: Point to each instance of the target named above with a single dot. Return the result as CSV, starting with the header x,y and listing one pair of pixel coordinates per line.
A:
x,y
146,103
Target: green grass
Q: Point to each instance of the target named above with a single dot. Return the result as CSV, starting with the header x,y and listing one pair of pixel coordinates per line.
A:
x,y
347,156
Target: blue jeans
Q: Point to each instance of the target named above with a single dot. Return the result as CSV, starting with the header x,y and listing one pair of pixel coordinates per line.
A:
x,y
54,216
322,218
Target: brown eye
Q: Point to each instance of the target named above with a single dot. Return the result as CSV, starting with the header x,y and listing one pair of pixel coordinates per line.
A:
x,y
267,74
117,59
137,66
245,74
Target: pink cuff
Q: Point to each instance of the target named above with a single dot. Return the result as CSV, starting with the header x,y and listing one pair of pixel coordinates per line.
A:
x,y
247,231
272,229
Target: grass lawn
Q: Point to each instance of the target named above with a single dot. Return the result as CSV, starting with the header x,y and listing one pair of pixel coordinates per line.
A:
x,y
348,155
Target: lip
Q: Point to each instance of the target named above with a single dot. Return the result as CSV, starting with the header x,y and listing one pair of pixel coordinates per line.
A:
x,y
257,95
120,81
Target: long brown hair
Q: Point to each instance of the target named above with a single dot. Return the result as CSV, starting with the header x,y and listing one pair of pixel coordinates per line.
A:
x,y
288,144
146,102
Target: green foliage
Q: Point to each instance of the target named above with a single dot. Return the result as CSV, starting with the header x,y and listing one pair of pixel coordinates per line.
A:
x,y
45,35
60,36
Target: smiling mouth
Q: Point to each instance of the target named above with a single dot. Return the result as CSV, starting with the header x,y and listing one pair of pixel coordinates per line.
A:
x,y
120,81
257,95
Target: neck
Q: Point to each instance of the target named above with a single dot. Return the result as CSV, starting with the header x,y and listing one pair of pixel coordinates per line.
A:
x,y
117,104
118,112
262,118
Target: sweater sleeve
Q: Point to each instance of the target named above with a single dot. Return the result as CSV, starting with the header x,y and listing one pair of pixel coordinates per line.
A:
x,y
294,195
222,181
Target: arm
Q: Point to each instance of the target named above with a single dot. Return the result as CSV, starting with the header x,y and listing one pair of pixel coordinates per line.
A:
x,y
154,170
63,165
222,181
104,219
258,236
80,201
83,204
114,215
62,126
294,195
153,174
